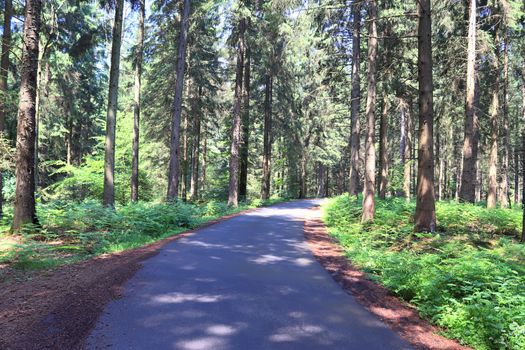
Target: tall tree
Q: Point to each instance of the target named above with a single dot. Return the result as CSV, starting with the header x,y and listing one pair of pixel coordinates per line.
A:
x,y
194,185
470,143
245,139
233,193
174,167
267,136
504,197
25,210
370,153
111,116
136,102
425,215
353,187
4,70
494,121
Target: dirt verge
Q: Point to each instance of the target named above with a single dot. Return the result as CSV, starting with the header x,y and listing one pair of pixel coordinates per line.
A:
x,y
397,314
56,309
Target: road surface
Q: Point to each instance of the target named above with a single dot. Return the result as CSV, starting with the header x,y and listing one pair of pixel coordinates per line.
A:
x,y
247,283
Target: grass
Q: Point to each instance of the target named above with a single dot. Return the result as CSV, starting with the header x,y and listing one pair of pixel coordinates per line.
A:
x,y
73,232
468,277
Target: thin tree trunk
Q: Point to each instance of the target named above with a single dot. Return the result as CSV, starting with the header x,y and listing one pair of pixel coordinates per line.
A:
x,y
194,186
470,142
267,138
185,146
479,177
370,153
244,153
353,184
383,148
516,177
173,177
204,156
504,197
25,210
425,216
408,152
233,193
494,110
136,103
303,181
4,70
111,118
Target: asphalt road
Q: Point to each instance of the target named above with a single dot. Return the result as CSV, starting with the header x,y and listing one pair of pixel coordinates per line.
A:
x,y
247,283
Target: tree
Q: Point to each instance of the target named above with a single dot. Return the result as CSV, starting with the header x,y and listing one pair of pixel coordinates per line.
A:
x,y
470,144
425,215
494,127
267,136
370,153
233,194
4,69
136,102
174,167
111,116
355,139
24,209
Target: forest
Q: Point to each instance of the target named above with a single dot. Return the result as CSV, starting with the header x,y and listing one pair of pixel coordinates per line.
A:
x,y
123,122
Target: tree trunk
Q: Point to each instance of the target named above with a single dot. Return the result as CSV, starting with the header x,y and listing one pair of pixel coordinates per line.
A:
x,y
408,152
194,186
494,110
173,177
233,194
4,70
24,210
267,138
425,216
353,184
516,177
185,146
111,117
136,104
303,186
383,148
204,156
243,176
370,153
504,197
467,191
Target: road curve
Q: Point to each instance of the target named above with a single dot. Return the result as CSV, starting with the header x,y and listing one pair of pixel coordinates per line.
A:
x,y
247,283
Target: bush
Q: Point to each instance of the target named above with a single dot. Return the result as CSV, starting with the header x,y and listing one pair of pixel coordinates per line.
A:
x,y
469,278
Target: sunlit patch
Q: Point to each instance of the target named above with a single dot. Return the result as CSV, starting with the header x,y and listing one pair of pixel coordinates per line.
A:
x,y
221,329
202,344
267,259
176,298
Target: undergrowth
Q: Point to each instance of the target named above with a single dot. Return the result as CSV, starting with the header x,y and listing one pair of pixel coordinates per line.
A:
x,y
72,232
468,277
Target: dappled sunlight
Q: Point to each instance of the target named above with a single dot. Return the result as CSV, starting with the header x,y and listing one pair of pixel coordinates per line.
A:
x,y
175,298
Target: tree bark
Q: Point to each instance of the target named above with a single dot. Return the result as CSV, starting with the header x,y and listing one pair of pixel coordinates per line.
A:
x,y
174,167
25,210
516,177
111,117
407,151
267,137
370,153
504,193
136,103
204,155
425,215
353,184
494,110
4,70
383,148
243,176
233,194
467,191
194,186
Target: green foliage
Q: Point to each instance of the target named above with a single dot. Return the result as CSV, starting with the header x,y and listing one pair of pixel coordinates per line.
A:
x,y
469,278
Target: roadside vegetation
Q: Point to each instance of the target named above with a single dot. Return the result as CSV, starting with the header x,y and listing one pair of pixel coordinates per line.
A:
x,y
72,232
468,277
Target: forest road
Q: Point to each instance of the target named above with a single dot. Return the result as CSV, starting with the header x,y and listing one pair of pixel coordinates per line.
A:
x,y
246,283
